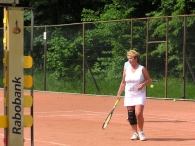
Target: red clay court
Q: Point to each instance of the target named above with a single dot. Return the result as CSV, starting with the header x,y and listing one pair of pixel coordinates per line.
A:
x,y
62,119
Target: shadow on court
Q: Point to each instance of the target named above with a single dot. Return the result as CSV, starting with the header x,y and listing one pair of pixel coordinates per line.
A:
x,y
170,139
168,121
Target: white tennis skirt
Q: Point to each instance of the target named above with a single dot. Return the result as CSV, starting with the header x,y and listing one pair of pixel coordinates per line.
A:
x,y
134,99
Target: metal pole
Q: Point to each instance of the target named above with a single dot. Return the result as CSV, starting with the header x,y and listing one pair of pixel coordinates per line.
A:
x,y
131,34
84,81
184,60
45,55
156,42
31,91
147,35
166,64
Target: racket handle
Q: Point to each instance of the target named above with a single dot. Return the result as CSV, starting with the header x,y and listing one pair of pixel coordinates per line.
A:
x,y
117,101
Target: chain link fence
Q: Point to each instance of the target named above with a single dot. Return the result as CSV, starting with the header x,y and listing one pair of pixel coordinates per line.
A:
x,y
89,57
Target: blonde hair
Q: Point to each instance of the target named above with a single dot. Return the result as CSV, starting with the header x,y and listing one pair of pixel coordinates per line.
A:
x,y
133,54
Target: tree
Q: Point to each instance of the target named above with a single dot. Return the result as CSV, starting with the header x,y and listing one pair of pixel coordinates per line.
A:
x,y
176,31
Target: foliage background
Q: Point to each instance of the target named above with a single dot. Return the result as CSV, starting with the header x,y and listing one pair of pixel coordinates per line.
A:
x,y
103,27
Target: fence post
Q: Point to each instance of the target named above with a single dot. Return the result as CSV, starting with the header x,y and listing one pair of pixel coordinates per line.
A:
x,y
84,90
45,55
32,88
184,59
131,47
147,35
167,49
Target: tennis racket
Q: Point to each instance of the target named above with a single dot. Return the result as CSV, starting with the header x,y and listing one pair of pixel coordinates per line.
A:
x,y
108,118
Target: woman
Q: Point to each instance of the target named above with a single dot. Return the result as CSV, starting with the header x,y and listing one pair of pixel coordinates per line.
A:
x,y
134,81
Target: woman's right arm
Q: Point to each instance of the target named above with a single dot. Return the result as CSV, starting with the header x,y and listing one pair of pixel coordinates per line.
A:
x,y
122,84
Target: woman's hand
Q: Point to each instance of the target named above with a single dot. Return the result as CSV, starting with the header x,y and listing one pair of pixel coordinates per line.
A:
x,y
140,86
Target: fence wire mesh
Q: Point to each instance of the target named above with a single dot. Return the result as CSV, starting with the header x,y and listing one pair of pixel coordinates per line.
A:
x,y
89,57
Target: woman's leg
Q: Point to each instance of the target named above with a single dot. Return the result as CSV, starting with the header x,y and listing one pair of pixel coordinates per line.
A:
x,y
140,121
132,120
139,115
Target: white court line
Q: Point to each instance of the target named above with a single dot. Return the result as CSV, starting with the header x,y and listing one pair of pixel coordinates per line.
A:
x,y
150,116
147,116
46,112
54,143
99,113
55,112
68,115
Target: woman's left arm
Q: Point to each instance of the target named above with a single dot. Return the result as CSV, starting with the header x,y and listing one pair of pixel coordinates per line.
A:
x,y
146,77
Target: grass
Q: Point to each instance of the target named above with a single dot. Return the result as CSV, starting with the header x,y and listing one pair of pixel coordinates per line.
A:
x,y
174,89
110,87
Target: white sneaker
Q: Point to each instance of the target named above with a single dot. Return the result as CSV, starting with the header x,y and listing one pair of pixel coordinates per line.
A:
x,y
141,136
134,136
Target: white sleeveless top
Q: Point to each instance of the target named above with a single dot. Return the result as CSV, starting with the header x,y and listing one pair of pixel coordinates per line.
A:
x,y
133,96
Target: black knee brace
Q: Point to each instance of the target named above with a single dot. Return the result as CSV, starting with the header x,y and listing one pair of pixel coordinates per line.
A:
x,y
131,117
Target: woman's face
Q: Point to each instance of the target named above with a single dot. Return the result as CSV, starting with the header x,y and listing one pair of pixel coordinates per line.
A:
x,y
131,59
